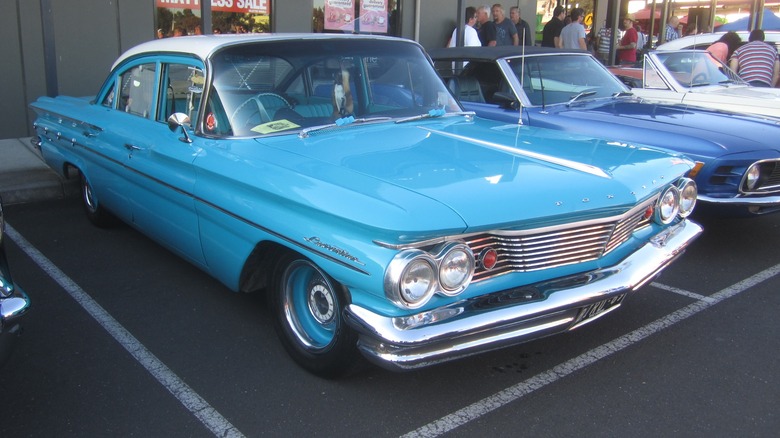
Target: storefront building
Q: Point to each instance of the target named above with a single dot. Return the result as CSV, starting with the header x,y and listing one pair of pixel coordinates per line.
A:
x,y
53,47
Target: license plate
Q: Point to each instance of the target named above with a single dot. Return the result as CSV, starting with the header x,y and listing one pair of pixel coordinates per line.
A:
x,y
597,309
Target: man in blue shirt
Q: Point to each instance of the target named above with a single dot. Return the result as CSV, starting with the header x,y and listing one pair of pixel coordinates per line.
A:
x,y
506,32
671,29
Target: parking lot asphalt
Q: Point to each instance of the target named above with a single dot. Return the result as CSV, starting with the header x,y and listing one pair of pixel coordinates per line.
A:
x,y
126,339
25,177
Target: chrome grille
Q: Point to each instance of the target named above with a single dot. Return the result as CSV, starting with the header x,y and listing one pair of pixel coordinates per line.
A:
x,y
773,181
532,250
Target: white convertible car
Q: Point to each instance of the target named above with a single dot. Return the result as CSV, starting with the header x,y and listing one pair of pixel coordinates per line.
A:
x,y
695,77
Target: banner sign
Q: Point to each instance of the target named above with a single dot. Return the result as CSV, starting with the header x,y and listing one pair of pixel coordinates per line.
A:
x,y
240,6
373,16
339,15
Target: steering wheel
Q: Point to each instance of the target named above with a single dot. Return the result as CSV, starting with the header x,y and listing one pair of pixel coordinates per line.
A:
x,y
250,110
699,78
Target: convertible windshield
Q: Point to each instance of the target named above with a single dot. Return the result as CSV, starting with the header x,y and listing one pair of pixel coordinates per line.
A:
x,y
548,80
285,86
693,69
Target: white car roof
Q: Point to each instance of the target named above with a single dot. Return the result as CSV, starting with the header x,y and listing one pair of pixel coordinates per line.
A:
x,y
202,46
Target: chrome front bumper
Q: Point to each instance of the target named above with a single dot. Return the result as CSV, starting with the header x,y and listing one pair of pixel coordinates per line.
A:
x,y
757,201
511,316
756,205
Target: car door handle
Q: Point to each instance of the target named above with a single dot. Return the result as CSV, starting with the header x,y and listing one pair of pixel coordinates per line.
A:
x,y
132,147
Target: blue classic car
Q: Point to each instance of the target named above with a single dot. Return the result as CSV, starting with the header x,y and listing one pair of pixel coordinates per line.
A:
x,y
338,174
738,156
13,301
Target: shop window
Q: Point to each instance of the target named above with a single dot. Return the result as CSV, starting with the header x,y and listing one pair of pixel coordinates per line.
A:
x,y
356,16
176,18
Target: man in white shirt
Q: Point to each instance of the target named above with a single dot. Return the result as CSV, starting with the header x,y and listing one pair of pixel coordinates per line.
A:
x,y
470,36
573,35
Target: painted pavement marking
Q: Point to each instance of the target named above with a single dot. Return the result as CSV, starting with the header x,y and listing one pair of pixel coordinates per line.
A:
x,y
514,393
199,407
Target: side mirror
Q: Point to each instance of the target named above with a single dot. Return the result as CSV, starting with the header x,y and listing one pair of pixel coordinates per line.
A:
x,y
506,100
180,120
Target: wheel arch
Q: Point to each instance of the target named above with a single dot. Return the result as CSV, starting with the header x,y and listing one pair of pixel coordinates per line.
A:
x,y
257,272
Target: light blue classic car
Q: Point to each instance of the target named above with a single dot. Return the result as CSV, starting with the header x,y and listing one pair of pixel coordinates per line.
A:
x,y
13,301
339,175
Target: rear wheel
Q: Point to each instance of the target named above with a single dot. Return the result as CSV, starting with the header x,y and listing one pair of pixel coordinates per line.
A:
x,y
308,313
95,212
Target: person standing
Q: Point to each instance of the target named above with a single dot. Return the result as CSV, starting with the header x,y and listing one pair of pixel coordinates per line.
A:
x,y
756,62
671,28
603,44
573,35
506,32
551,34
486,29
641,40
470,37
626,49
725,46
524,33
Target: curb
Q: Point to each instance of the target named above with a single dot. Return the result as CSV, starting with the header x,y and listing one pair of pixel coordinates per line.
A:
x,y
25,177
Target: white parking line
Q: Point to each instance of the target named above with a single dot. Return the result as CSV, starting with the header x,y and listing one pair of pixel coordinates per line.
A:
x,y
207,415
682,292
513,393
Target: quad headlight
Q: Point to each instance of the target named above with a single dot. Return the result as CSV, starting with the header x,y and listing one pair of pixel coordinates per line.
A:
x,y
456,267
676,201
688,194
668,205
414,275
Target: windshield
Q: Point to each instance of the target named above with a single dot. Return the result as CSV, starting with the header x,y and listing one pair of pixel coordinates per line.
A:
x,y
272,87
548,80
693,69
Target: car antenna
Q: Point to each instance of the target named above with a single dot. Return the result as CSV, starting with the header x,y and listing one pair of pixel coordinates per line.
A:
x,y
695,37
522,87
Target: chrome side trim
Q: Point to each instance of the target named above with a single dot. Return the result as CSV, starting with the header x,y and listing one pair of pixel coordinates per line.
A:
x,y
290,240
757,201
511,316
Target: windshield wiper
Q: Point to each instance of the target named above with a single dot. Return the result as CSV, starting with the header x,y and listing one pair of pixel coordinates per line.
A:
x,y
433,114
344,121
582,94
622,94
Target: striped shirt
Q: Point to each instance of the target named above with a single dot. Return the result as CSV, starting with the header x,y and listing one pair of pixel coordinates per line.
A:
x,y
756,62
605,37
671,33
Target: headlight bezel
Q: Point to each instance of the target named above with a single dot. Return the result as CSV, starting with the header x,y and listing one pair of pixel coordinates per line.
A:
x,y
687,202
669,198
445,254
676,201
399,272
750,180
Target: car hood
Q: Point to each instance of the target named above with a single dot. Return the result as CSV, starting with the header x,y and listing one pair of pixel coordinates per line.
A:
x,y
487,174
692,130
758,96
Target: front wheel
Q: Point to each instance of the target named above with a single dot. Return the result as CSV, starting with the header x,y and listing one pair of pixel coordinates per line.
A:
x,y
308,315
